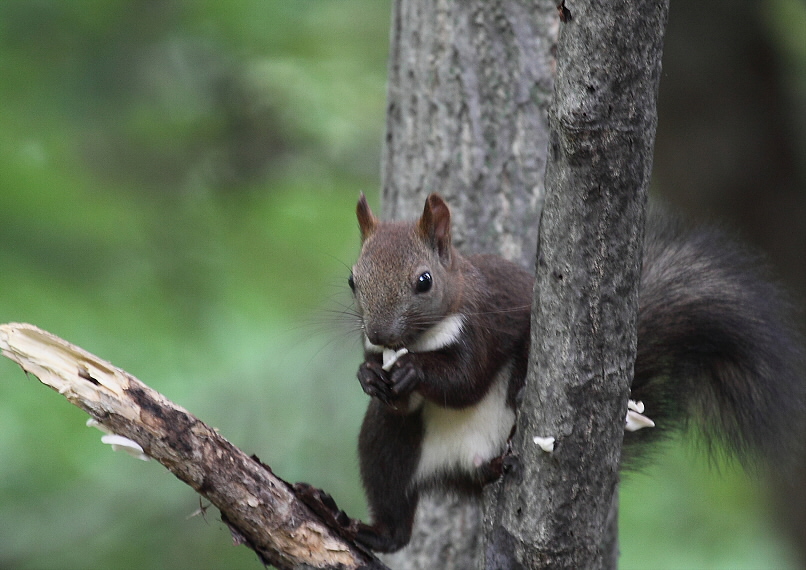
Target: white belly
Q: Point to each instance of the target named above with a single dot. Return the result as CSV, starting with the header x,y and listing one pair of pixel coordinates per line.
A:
x,y
463,440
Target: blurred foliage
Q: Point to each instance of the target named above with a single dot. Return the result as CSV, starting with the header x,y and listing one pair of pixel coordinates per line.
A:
x,y
178,185
178,181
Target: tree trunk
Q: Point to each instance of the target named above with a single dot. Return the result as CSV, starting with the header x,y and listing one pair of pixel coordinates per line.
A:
x,y
468,93
469,88
558,510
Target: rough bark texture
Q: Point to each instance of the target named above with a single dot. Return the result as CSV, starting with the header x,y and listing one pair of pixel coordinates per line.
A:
x,y
260,509
558,509
469,88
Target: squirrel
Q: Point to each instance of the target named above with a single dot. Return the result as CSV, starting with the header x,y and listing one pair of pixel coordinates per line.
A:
x,y
446,346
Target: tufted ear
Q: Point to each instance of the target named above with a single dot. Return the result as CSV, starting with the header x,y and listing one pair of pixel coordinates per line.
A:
x,y
367,221
435,226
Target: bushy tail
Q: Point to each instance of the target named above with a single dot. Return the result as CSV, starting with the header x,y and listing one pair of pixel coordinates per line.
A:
x,y
717,346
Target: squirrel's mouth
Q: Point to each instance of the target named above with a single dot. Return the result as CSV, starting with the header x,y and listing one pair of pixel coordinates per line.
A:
x,y
437,336
393,341
396,345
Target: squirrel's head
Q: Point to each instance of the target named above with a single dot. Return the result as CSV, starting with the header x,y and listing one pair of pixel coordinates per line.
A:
x,y
404,280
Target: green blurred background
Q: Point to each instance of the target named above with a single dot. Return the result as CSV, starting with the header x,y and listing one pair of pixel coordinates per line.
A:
x,y
177,184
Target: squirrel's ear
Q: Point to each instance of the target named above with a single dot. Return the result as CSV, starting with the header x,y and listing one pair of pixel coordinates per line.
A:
x,y
367,221
435,225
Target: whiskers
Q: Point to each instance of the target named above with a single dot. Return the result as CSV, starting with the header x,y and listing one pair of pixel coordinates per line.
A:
x,y
483,320
337,325
502,311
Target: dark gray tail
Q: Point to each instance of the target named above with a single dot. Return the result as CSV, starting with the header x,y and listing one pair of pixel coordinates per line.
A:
x,y
717,346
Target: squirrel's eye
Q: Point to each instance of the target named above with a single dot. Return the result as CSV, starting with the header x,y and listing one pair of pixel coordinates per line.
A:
x,y
424,283
351,282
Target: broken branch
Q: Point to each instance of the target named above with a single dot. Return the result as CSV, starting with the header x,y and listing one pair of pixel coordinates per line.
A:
x,y
261,510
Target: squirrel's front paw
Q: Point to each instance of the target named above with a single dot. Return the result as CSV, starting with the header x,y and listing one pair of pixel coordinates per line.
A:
x,y
392,388
375,381
404,376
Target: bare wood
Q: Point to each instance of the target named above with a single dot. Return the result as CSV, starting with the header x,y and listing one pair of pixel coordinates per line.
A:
x,y
261,509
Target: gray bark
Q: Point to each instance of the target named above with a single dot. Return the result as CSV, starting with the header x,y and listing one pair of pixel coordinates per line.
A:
x,y
558,509
468,94
469,88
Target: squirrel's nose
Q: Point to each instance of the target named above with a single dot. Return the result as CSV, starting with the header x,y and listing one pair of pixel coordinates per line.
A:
x,y
383,335
378,338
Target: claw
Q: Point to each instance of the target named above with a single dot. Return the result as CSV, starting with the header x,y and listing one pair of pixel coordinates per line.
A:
x,y
325,506
374,381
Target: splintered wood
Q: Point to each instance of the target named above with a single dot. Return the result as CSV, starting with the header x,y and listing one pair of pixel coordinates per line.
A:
x,y
260,509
